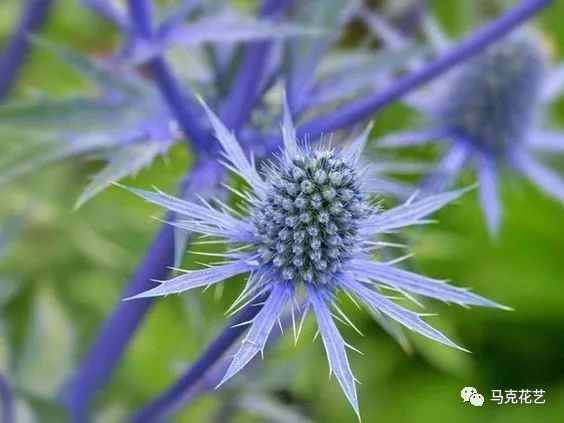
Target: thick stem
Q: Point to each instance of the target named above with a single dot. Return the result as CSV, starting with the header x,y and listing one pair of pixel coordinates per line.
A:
x,y
120,326
361,109
34,13
169,400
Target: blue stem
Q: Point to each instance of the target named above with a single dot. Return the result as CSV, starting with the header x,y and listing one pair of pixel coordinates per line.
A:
x,y
181,105
244,94
361,109
6,400
34,13
167,402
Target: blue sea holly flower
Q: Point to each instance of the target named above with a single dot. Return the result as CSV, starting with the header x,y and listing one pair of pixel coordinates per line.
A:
x,y
307,235
489,113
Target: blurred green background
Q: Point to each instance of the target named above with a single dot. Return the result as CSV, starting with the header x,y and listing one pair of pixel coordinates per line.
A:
x,y
64,272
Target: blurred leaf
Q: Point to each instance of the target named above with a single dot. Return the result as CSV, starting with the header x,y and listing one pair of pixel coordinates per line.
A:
x,y
35,156
9,229
269,409
345,74
47,352
302,55
126,162
53,116
234,28
4,350
23,412
95,73
449,360
8,287
43,411
395,330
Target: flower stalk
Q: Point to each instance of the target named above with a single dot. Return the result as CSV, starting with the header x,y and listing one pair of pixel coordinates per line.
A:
x,y
180,105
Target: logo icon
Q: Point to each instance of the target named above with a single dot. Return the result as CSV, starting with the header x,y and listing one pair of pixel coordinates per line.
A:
x,y
470,394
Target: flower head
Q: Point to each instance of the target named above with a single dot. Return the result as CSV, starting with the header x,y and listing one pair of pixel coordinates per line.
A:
x,y
310,231
307,222
489,112
494,98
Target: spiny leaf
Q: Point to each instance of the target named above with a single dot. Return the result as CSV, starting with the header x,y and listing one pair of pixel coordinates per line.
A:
x,y
126,162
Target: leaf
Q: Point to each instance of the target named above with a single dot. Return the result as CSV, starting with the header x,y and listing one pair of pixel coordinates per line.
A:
x,y
57,116
404,280
304,53
9,229
344,75
39,410
8,288
94,72
4,349
195,279
38,155
43,363
23,412
126,162
411,320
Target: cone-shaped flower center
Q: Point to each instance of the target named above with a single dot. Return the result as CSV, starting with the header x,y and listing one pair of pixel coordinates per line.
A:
x,y
307,224
493,99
